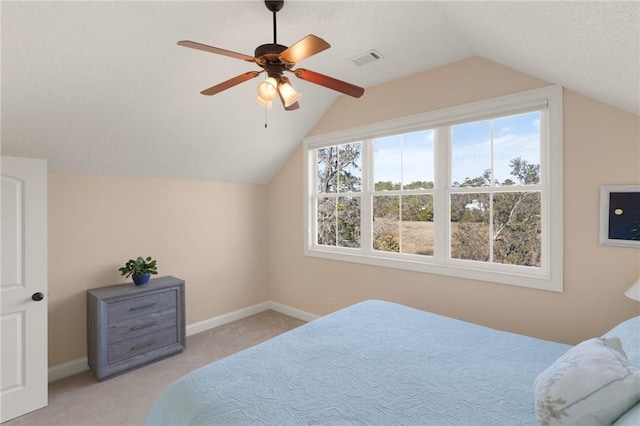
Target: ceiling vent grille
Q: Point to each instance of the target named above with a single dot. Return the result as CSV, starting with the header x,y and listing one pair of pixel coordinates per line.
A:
x,y
370,56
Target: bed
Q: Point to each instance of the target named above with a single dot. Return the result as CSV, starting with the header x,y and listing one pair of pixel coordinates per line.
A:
x,y
381,363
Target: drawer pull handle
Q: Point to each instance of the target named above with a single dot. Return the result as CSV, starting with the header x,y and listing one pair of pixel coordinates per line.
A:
x,y
143,345
140,327
135,308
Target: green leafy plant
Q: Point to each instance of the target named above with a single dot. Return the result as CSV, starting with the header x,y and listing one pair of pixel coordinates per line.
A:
x,y
140,266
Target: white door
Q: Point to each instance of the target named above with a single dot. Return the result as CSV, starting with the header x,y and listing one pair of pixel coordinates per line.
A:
x,y
24,281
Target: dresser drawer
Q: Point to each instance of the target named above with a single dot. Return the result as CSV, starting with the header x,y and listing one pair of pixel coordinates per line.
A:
x,y
129,348
138,326
129,326
142,305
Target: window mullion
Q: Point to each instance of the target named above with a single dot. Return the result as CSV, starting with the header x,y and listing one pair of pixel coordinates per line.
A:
x,y
491,224
400,223
335,212
312,186
441,222
491,186
366,202
338,195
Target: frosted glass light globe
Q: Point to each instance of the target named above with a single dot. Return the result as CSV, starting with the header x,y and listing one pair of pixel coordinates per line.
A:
x,y
267,89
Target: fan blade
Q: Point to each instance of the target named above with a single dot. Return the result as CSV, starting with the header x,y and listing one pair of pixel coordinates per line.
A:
x,y
330,82
206,48
308,46
230,83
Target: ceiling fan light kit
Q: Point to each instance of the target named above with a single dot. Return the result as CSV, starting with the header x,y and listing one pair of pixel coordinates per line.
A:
x,y
287,92
276,59
267,89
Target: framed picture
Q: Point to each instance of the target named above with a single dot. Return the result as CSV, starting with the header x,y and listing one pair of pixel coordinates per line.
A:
x,y
620,215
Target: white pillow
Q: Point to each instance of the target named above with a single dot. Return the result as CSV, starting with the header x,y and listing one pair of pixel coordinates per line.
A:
x,y
593,383
629,334
630,418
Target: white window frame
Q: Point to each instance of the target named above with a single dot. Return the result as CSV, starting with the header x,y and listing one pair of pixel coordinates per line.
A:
x,y
548,277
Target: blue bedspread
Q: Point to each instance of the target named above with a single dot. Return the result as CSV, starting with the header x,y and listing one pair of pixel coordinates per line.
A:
x,y
374,363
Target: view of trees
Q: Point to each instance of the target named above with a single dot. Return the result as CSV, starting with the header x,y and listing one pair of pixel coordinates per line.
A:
x,y
392,215
516,219
515,215
339,217
338,168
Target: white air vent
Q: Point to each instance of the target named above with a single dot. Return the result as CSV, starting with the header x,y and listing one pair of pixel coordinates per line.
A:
x,y
370,56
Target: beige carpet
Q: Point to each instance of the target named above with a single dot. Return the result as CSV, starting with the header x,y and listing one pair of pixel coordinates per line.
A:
x,y
124,400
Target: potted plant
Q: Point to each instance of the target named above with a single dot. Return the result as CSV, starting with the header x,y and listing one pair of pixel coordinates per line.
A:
x,y
140,269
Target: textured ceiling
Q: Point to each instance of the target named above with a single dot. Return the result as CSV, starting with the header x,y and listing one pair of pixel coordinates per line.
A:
x,y
102,87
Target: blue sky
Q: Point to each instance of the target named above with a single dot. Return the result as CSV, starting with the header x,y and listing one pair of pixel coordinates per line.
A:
x,y
417,157
471,145
515,136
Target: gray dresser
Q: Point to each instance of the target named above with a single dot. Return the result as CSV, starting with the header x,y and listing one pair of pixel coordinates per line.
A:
x,y
129,326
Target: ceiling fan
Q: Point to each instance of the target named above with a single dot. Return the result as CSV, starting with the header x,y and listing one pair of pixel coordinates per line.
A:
x,y
275,59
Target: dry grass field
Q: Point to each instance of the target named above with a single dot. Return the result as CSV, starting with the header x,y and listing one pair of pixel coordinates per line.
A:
x,y
417,237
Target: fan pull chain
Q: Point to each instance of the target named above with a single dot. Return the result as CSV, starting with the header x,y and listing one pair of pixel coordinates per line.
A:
x,y
265,116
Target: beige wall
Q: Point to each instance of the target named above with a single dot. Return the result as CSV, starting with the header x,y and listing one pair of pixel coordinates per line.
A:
x,y
212,235
232,255
601,147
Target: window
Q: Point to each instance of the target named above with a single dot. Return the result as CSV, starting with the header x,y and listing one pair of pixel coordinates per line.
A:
x,y
473,191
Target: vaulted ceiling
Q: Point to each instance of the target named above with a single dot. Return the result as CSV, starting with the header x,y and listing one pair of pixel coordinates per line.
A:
x,y
102,87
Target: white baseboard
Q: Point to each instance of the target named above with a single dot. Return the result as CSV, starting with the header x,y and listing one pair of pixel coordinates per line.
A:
x,y
207,324
292,312
66,369
70,368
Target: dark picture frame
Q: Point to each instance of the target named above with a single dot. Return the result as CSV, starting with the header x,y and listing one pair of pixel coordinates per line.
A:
x,y
620,215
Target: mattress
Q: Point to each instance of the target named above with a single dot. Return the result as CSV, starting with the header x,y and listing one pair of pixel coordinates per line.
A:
x,y
372,363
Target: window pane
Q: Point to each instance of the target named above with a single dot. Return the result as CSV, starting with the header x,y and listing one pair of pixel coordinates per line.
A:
x,y
327,169
350,176
470,227
417,224
387,163
516,149
471,154
386,218
326,221
417,160
517,228
348,209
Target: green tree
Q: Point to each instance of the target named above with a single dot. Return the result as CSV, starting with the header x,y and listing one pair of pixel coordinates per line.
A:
x,y
348,210
417,208
517,227
327,221
515,217
386,242
526,173
419,184
387,186
337,167
339,172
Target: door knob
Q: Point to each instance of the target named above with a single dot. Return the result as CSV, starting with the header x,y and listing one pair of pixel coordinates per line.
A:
x,y
37,296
